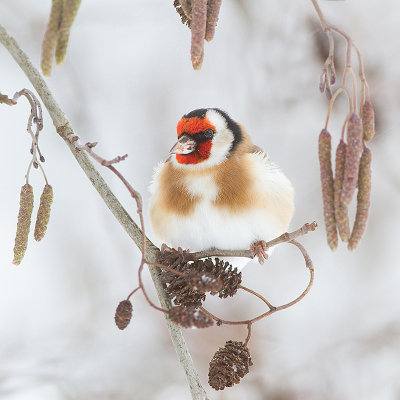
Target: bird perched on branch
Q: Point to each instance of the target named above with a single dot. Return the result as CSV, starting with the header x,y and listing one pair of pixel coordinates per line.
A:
x,y
218,190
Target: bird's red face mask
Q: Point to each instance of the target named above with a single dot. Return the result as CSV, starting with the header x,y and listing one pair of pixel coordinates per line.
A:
x,y
194,140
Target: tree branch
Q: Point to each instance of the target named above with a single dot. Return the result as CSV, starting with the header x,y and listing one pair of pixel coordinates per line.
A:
x,y
65,130
285,237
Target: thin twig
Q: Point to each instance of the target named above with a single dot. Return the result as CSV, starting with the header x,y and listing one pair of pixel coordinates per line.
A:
x,y
248,334
36,118
332,101
106,163
272,309
285,237
139,202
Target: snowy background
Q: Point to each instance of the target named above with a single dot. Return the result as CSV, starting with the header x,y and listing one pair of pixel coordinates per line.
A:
x,y
126,82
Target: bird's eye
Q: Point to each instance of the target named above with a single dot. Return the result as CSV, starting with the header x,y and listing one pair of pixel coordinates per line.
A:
x,y
209,133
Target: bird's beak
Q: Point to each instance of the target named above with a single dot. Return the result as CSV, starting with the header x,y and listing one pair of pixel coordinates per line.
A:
x,y
185,145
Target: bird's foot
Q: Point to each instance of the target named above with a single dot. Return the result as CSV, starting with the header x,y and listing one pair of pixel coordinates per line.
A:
x,y
259,250
167,249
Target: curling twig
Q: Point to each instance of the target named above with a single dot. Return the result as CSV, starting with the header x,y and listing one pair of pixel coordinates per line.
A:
x,y
272,309
324,81
35,117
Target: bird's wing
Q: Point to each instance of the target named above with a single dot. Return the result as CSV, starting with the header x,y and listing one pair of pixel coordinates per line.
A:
x,y
258,150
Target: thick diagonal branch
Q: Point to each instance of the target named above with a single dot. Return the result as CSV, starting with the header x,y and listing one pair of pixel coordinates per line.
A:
x,y
61,122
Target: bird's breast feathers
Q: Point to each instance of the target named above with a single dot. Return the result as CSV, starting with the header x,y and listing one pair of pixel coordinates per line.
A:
x,y
229,206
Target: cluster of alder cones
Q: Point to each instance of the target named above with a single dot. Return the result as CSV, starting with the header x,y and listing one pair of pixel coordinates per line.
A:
x,y
187,284
352,171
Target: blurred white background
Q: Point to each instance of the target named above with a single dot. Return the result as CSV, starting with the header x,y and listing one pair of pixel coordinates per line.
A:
x,y
126,82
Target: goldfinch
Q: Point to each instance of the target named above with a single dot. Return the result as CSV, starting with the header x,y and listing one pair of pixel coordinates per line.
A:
x,y
218,190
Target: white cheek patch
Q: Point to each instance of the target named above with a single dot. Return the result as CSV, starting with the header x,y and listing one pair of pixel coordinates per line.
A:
x,y
222,141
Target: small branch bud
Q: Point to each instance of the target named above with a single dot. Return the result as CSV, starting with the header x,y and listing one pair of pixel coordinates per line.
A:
x,y
5,100
24,223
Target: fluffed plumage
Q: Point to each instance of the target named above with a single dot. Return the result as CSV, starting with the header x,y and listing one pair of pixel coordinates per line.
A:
x,y
217,189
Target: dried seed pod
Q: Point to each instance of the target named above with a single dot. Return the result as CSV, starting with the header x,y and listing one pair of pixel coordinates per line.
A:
x,y
231,278
43,214
190,317
353,155
341,209
181,11
70,10
123,314
213,7
184,293
363,200
198,28
178,289
24,223
368,119
325,161
228,365
51,36
204,282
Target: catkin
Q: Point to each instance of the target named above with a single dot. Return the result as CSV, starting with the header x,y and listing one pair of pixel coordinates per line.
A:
x,y
368,119
213,7
198,28
363,200
180,10
324,152
353,155
341,209
24,223
68,16
43,214
51,36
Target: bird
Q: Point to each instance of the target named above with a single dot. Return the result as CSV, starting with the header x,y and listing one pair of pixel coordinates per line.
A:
x,y
217,190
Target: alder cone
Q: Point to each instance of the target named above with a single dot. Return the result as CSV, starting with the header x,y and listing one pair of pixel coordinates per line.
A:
x,y
229,365
123,314
190,317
